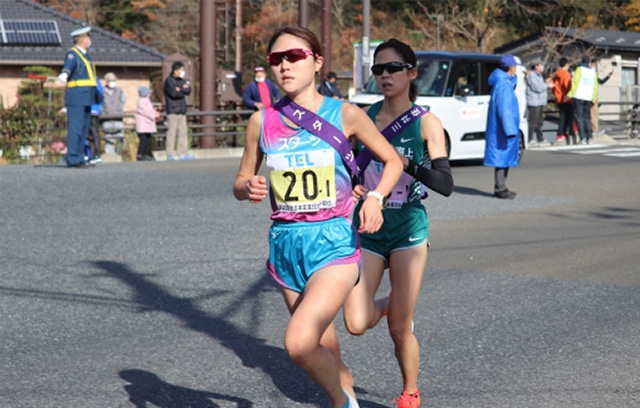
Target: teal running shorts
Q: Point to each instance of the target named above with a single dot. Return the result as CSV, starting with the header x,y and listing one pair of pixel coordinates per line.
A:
x,y
298,249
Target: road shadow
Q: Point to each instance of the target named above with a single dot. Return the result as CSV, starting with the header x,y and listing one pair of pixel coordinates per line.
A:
x,y
254,353
629,217
471,191
52,166
146,388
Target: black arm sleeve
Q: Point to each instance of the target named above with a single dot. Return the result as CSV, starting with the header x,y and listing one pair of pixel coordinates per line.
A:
x,y
438,177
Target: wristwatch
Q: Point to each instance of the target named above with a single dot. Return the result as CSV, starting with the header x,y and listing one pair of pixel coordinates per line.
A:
x,y
382,200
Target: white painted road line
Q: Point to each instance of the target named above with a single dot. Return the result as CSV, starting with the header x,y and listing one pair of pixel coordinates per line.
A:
x,y
607,151
628,154
568,147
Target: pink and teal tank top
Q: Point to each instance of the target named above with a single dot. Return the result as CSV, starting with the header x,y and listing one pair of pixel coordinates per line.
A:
x,y
308,179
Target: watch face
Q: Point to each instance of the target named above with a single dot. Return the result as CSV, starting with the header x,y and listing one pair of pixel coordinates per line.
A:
x,y
382,200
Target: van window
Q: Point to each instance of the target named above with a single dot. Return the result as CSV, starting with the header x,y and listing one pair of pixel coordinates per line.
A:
x,y
487,69
466,74
432,76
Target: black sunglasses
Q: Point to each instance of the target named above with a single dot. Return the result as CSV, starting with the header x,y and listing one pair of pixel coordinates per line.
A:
x,y
390,67
292,55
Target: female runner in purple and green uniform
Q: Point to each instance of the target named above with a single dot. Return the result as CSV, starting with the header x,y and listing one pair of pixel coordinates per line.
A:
x,y
401,243
314,248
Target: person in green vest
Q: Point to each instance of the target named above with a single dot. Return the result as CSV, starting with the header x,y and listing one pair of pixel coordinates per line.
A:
x,y
583,94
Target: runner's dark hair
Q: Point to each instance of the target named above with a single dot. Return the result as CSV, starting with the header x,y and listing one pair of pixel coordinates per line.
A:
x,y
303,33
407,54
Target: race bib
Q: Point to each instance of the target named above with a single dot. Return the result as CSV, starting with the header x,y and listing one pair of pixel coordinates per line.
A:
x,y
303,182
400,192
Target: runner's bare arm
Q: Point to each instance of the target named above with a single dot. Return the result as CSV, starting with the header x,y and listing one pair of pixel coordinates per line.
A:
x,y
357,123
248,185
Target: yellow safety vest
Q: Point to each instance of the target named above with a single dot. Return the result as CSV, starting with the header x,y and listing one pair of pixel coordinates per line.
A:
x,y
90,69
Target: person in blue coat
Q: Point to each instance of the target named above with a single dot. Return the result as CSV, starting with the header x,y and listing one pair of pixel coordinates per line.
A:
x,y
503,121
79,75
260,92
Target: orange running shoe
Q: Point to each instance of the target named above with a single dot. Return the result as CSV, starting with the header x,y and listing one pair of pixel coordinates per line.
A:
x,y
406,400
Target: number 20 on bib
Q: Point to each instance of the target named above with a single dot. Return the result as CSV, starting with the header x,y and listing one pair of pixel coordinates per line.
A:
x,y
303,182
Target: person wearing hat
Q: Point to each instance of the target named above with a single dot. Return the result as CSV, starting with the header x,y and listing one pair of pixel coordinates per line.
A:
x,y
583,94
146,116
112,112
537,90
503,122
79,75
260,92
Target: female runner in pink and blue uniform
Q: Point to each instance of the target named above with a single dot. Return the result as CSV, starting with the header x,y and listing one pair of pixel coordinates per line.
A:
x,y
314,251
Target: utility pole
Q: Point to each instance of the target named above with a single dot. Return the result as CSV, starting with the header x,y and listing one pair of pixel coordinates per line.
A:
x,y
303,13
326,36
366,32
238,35
208,70
438,20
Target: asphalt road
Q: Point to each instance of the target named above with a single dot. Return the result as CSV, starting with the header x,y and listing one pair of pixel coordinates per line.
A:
x,y
143,285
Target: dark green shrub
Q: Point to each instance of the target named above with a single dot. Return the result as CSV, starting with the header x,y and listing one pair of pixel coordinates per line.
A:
x,y
34,120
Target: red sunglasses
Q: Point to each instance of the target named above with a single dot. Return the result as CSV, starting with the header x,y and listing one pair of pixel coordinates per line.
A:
x,y
292,55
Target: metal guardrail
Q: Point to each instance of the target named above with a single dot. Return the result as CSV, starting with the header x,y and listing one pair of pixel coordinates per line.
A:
x,y
629,110
229,127
632,115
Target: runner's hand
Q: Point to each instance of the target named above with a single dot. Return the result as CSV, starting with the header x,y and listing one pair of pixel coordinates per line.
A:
x,y
257,189
358,192
370,216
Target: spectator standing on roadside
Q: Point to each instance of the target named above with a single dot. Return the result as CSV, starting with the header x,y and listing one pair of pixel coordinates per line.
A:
x,y
79,75
503,121
112,112
261,92
595,111
329,87
583,93
146,116
561,87
94,129
537,89
175,89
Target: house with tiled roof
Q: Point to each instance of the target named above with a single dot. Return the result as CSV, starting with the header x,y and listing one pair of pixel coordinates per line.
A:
x,y
35,35
616,52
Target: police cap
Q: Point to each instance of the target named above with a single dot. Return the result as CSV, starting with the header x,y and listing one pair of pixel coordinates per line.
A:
x,y
80,31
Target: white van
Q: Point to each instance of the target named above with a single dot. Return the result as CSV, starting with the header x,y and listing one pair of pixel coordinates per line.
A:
x,y
454,87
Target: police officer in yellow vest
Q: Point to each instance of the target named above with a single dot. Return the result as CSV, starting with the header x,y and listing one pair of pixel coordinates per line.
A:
x,y
79,74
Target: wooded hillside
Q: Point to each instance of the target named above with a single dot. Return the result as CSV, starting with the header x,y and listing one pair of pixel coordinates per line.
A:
x,y
481,25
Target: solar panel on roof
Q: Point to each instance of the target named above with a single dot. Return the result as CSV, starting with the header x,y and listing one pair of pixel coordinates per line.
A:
x,y
29,32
